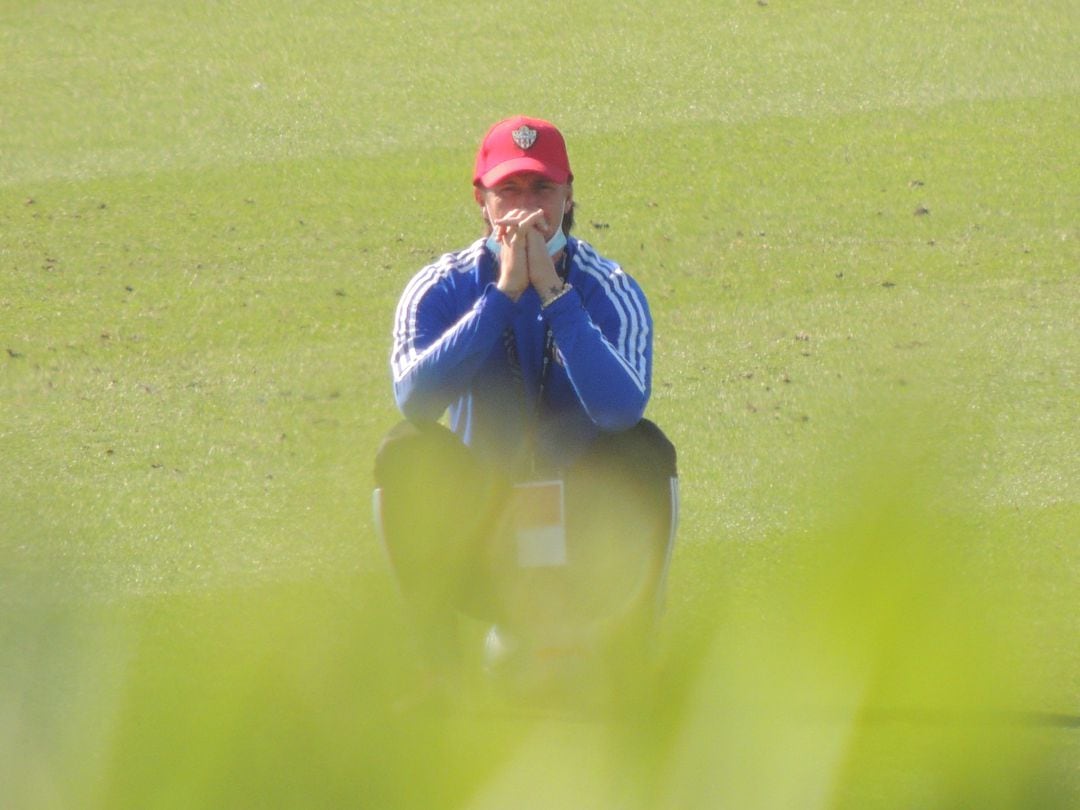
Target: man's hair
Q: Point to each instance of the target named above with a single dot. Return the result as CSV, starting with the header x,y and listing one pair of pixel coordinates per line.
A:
x,y
568,216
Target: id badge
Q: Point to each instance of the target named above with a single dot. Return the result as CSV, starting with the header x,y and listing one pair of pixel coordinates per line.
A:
x,y
539,523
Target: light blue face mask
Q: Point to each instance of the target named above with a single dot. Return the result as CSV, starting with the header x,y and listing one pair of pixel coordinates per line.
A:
x,y
556,243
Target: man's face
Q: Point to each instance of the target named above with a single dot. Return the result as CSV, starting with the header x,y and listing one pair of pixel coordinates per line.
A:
x,y
527,191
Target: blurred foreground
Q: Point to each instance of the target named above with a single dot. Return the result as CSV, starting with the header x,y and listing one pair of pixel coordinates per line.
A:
x,y
874,662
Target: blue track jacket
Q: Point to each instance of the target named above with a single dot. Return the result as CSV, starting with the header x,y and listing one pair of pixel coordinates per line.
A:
x,y
519,380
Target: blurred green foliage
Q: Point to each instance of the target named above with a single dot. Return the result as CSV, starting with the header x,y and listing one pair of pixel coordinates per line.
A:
x,y
858,231
879,665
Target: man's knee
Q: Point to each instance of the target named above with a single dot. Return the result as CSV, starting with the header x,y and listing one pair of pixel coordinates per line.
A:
x,y
424,454
642,451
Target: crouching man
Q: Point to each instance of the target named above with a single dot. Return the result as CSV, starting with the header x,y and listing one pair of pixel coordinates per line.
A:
x,y
548,506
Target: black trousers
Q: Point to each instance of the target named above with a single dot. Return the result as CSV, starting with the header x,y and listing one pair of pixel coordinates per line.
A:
x,y
443,516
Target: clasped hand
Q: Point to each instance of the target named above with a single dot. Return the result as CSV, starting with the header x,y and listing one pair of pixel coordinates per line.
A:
x,y
524,258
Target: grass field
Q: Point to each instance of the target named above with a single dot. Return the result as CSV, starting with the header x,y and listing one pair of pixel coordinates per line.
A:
x,y
858,230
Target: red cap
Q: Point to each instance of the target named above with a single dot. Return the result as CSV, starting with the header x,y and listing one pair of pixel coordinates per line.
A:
x,y
521,144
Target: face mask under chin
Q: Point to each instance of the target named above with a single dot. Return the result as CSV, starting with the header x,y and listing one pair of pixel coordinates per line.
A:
x,y
556,243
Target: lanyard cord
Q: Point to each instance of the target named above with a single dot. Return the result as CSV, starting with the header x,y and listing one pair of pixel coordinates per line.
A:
x,y
549,349
533,424
545,369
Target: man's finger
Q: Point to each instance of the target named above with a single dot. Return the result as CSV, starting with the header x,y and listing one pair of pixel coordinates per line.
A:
x,y
520,218
534,220
511,217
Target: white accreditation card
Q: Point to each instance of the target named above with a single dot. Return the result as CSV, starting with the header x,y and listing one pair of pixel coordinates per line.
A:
x,y
539,522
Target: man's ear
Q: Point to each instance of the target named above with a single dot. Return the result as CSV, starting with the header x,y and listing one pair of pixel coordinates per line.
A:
x,y
478,195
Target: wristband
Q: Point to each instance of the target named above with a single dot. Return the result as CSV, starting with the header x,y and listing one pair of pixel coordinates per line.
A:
x,y
565,289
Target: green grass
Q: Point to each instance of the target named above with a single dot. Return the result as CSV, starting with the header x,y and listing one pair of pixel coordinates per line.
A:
x,y
858,232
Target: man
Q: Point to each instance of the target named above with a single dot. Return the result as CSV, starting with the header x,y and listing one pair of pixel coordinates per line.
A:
x,y
540,349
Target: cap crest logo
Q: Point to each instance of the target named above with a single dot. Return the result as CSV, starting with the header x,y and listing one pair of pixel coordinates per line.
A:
x,y
524,136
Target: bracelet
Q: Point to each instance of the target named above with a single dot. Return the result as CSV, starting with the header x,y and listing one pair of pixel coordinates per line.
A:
x,y
565,289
